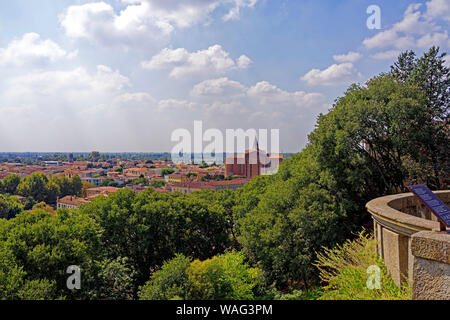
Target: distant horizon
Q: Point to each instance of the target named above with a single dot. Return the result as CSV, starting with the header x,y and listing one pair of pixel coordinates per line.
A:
x,y
108,152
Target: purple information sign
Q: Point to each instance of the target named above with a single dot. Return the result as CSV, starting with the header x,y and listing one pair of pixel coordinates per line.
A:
x,y
432,201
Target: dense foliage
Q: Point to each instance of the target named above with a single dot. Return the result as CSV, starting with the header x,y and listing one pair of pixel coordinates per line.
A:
x,y
224,277
39,188
344,269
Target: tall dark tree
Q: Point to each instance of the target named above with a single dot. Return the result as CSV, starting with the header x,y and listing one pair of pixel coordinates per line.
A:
x,y
431,75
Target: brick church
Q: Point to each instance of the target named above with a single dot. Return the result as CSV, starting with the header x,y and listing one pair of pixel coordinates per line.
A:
x,y
253,163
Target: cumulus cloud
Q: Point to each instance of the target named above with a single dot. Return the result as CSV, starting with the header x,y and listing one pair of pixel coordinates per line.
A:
x,y
32,50
336,74
218,87
438,9
72,84
244,62
203,63
224,103
263,97
418,28
386,55
142,22
98,22
348,57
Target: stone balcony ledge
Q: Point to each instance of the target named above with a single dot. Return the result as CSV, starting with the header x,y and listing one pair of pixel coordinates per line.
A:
x,y
403,213
409,239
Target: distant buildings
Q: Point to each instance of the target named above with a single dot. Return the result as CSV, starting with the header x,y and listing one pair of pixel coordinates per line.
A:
x,y
100,191
70,202
186,178
96,182
252,163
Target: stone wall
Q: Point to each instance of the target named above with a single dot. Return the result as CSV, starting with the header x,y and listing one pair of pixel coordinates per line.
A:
x,y
405,231
431,271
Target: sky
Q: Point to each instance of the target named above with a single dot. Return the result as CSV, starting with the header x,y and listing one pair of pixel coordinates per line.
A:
x,y
122,75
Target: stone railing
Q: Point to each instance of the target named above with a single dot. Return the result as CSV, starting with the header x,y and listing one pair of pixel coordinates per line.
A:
x,y
396,219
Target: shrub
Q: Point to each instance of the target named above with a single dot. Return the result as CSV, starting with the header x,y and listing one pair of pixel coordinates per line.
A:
x,y
345,267
224,277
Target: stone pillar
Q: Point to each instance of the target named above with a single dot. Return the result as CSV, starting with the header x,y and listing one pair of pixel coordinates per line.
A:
x,y
395,254
431,251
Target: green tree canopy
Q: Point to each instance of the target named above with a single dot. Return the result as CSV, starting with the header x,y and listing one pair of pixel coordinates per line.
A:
x,y
10,183
9,207
223,277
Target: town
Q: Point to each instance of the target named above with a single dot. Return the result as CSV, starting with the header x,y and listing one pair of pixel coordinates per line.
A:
x,y
101,178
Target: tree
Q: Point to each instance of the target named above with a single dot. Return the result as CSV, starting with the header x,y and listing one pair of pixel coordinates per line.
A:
x,y
94,156
158,183
167,171
114,280
53,191
44,207
141,180
34,186
41,246
223,277
76,186
65,186
10,184
147,228
170,282
298,212
9,207
431,75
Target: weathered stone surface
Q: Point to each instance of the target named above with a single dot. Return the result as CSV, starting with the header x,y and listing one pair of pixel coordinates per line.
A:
x,y
431,251
395,255
431,280
432,246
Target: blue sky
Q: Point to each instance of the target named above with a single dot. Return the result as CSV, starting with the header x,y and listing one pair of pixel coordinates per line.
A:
x,y
121,75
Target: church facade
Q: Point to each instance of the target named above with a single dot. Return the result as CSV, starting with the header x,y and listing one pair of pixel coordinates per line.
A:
x,y
252,163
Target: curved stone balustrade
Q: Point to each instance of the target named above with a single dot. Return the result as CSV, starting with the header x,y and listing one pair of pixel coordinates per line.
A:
x,y
396,218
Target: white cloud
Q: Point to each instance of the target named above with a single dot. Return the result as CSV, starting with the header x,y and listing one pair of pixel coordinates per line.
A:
x,y
447,61
32,50
438,9
416,29
348,57
336,74
76,85
218,87
142,22
440,39
176,105
244,62
388,38
386,55
224,103
88,110
203,63
74,109
263,97
99,23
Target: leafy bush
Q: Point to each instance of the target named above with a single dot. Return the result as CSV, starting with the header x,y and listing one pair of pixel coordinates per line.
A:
x,y
345,267
224,277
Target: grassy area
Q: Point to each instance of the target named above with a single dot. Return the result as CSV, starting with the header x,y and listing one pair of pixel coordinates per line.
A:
x,y
345,270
